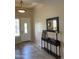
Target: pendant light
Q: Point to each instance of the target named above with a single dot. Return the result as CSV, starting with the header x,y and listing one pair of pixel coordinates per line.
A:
x,y
21,10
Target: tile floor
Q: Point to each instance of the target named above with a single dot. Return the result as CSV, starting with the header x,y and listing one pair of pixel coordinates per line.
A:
x,y
30,51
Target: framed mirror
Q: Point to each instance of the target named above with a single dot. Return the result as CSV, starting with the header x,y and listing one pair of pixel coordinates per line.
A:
x,y
53,24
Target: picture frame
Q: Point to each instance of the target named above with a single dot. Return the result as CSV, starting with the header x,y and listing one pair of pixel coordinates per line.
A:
x,y
52,24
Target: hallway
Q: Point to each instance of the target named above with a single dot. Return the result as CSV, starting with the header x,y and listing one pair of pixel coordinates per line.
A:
x,y
28,50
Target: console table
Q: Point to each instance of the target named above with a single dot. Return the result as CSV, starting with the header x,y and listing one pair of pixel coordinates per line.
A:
x,y
51,41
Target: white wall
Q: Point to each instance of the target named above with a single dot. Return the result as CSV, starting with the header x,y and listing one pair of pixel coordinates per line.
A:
x,y
44,11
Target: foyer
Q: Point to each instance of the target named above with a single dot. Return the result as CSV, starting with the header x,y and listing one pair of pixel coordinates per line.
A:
x,y
29,25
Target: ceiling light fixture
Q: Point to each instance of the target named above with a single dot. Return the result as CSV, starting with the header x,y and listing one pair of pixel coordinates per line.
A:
x,y
21,10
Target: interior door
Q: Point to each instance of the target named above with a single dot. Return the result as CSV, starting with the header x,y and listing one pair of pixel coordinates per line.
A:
x,y
25,29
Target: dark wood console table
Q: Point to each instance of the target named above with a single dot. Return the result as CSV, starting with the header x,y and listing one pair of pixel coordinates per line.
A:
x,y
51,41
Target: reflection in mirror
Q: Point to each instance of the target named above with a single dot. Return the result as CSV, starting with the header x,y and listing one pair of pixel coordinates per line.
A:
x,y
49,25
54,25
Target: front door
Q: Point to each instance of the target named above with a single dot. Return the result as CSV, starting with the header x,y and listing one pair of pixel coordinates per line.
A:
x,y
25,29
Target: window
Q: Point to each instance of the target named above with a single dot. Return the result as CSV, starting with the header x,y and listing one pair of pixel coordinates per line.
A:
x,y
17,31
25,27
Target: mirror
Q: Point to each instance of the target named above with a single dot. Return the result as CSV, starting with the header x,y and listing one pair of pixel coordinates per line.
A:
x,y
53,24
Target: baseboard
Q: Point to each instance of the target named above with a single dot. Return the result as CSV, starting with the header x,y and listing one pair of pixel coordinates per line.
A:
x,y
18,42
23,42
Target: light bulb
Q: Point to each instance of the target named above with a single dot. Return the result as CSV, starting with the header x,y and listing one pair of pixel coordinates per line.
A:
x,y
21,11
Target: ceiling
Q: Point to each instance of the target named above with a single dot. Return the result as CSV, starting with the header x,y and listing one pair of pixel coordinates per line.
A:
x,y
26,3
33,3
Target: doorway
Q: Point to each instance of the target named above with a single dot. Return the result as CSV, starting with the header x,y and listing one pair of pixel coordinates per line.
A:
x,y
22,30
25,29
